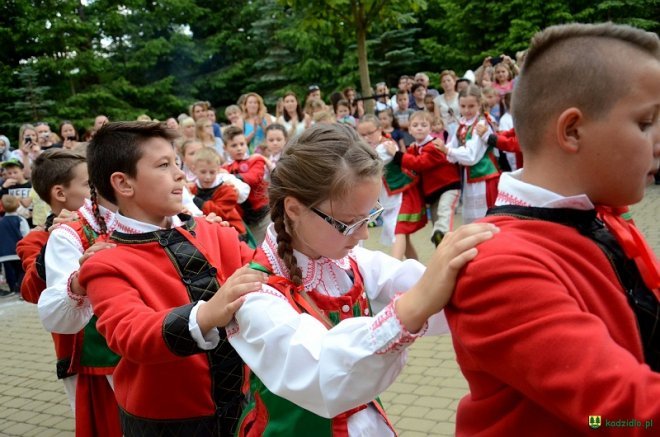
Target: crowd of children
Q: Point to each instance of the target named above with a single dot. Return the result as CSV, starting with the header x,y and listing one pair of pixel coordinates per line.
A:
x,y
201,279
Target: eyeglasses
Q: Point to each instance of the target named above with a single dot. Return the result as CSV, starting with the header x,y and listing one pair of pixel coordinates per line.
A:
x,y
348,230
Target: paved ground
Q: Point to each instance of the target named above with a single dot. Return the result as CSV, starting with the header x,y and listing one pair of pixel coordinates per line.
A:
x,y
421,403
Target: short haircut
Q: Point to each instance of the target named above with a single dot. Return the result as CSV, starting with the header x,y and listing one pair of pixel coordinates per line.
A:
x,y
276,126
10,203
117,147
188,121
231,109
208,154
590,55
424,115
54,167
230,133
401,92
415,87
369,118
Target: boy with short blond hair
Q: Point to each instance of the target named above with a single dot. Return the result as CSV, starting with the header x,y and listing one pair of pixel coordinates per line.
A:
x,y
215,191
555,321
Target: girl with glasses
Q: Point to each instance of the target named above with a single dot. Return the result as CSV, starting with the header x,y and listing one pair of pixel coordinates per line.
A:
x,y
329,330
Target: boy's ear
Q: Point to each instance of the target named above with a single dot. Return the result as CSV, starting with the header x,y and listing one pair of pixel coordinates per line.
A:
x,y
57,193
293,208
122,185
569,130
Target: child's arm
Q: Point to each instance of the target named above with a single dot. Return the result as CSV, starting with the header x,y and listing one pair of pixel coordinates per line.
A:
x,y
429,158
474,150
242,189
63,306
318,365
255,173
30,251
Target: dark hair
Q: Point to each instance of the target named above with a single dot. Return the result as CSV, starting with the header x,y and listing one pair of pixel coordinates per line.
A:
x,y
390,112
54,167
276,126
65,122
299,110
323,162
415,87
116,147
230,133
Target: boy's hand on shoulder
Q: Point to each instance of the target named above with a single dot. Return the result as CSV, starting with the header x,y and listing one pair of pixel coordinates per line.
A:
x,y
481,129
216,219
65,216
96,247
391,147
220,309
434,289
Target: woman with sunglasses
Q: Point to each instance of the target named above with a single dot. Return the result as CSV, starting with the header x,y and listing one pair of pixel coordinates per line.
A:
x,y
328,332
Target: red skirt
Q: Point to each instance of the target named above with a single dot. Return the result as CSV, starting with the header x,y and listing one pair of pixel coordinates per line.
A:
x,y
412,214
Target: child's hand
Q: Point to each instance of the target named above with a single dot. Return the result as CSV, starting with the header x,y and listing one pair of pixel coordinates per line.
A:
x,y
481,129
65,216
9,182
440,145
435,287
391,147
96,247
216,219
220,309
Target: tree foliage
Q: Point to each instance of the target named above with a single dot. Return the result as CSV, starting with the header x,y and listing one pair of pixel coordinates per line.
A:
x,y
74,59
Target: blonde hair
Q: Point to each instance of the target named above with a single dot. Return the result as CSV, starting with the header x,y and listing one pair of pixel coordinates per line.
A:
x,y
590,55
199,130
10,203
207,154
261,112
324,162
369,118
426,115
324,117
188,121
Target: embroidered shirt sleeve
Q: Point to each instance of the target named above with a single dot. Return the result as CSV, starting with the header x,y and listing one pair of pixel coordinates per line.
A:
x,y
388,335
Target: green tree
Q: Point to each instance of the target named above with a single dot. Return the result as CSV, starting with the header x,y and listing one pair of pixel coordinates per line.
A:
x,y
358,16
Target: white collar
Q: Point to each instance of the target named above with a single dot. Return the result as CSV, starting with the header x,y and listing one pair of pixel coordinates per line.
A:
x,y
314,271
87,211
128,225
513,191
426,140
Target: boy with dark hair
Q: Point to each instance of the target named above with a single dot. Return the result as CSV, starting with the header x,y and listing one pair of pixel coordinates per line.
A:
x,y
555,321
12,229
251,170
163,292
51,258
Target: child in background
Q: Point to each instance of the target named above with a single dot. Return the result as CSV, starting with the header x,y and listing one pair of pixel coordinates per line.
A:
x,y
187,152
51,261
234,116
429,105
254,209
276,138
343,113
322,117
15,184
555,322
480,169
177,375
13,228
215,193
491,101
390,127
394,181
331,316
440,179
438,128
402,114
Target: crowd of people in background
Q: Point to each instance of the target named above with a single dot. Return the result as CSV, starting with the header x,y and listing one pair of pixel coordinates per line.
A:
x,y
265,134
226,247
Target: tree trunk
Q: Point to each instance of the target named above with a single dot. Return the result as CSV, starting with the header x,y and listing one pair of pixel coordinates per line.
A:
x,y
361,33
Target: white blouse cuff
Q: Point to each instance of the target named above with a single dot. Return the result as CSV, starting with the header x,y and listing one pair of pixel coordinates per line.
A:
x,y
388,335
